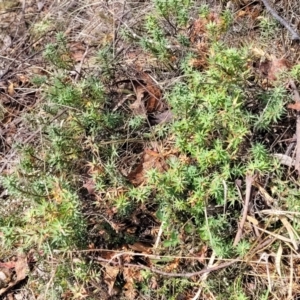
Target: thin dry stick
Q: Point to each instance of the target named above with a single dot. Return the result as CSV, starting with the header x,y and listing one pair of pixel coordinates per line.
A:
x,y
249,181
295,35
187,275
297,100
204,276
160,232
290,294
225,196
81,63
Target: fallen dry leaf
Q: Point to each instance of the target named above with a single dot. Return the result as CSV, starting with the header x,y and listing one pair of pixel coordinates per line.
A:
x,y
153,99
77,51
141,247
202,254
94,169
11,89
148,96
150,160
131,276
272,68
21,267
90,185
277,66
250,11
22,78
266,196
138,106
241,14
173,265
21,270
111,273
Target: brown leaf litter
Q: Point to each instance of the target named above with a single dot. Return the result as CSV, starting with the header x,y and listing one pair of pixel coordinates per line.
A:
x,y
13,272
150,160
148,96
271,68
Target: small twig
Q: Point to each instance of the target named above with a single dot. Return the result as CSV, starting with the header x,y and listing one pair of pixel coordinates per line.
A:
x,y
249,181
81,63
297,100
295,35
187,275
291,281
225,196
265,257
160,232
204,276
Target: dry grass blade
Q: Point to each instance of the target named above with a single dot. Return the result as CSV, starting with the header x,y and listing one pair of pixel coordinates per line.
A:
x,y
269,200
278,236
290,293
278,260
292,233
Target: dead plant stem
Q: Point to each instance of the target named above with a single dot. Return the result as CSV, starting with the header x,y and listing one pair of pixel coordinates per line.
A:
x,y
249,181
187,275
295,35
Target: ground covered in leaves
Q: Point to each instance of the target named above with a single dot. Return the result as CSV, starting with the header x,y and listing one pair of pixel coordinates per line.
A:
x,y
149,149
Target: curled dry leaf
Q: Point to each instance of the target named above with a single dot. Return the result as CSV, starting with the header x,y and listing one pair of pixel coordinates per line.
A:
x,y
153,100
272,68
202,254
277,66
148,96
131,276
150,160
138,106
21,267
77,51
21,270
90,185
111,273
